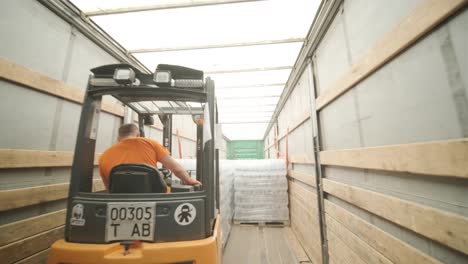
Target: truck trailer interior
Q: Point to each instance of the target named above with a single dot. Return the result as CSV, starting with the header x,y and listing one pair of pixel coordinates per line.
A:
x,y
318,131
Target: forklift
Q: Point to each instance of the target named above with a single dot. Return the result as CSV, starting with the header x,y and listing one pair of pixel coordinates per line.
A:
x,y
145,217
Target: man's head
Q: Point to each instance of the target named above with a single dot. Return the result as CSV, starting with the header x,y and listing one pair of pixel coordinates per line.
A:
x,y
128,131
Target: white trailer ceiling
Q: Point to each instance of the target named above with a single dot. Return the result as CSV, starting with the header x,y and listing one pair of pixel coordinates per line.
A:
x,y
248,48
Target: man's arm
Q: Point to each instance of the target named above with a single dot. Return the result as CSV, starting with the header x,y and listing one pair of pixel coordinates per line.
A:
x,y
178,170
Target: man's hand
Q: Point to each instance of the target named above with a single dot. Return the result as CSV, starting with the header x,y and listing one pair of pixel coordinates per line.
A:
x,y
180,172
191,181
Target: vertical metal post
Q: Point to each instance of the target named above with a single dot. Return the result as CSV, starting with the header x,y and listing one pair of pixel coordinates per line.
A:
x,y
166,120
83,161
200,152
211,165
209,160
216,155
141,125
318,169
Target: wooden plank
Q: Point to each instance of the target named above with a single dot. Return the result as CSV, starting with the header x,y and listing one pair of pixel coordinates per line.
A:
x,y
358,246
24,76
22,158
304,220
305,178
243,239
340,252
442,158
305,227
394,249
31,226
447,228
19,74
308,197
113,108
30,246
298,122
295,246
38,258
278,249
98,185
302,159
17,198
418,23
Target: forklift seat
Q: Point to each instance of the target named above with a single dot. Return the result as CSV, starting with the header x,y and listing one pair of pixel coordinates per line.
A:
x,y
136,178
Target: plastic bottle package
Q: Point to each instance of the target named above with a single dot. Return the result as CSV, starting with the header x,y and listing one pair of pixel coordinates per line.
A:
x,y
226,197
260,191
226,186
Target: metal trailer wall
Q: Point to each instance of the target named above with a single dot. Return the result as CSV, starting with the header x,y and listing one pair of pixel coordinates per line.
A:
x,y
44,68
389,119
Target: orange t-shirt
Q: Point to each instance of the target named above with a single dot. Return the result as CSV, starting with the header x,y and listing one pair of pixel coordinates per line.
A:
x,y
131,150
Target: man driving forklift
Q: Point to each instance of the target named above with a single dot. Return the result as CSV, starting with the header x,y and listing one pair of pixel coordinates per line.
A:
x,y
139,221
131,148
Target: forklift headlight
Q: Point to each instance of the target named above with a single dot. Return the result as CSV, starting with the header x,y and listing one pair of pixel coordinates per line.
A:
x,y
124,76
163,78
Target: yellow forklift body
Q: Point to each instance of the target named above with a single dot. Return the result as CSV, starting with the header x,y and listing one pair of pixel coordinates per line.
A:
x,y
203,251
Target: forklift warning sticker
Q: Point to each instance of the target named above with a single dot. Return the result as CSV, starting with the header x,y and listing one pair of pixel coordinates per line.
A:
x,y
77,215
185,214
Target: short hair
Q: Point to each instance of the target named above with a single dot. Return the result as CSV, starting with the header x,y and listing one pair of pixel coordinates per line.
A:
x,y
128,130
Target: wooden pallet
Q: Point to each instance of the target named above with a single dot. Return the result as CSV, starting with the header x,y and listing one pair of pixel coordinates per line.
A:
x,y
263,223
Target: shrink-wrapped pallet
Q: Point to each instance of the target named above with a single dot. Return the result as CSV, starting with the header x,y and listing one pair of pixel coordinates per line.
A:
x,y
226,197
260,191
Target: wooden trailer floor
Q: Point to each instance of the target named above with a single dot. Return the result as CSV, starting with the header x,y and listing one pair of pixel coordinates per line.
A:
x,y
251,244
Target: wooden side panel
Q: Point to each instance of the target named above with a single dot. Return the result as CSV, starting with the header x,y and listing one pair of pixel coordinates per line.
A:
x,y
301,159
16,198
423,19
392,248
304,220
341,253
442,158
354,243
20,158
30,246
444,227
38,258
31,226
19,74
308,179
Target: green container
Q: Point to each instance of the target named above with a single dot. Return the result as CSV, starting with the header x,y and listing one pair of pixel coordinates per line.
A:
x,y
245,149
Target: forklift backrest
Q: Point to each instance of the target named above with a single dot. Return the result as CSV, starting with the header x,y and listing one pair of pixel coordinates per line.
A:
x,y
136,178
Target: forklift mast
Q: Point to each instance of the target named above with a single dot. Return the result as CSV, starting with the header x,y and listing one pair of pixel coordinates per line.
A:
x,y
166,120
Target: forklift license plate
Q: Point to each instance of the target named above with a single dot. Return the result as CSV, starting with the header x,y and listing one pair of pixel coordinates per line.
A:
x,y
130,221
